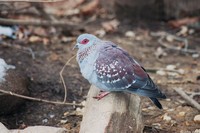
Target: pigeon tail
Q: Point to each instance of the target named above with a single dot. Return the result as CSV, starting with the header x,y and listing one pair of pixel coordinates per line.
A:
x,y
156,102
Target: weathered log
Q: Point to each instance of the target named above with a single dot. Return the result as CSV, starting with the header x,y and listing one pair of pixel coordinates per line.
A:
x,y
115,113
152,9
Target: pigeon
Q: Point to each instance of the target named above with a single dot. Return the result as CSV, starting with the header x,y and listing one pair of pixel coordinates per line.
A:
x,y
111,69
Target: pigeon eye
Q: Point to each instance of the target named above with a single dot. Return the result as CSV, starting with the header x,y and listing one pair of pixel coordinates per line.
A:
x,y
84,41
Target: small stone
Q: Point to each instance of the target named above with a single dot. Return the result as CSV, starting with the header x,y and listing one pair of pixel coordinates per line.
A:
x,y
170,38
63,121
197,118
181,114
166,117
195,55
170,67
168,99
161,72
130,34
51,116
156,125
79,111
44,120
83,103
197,131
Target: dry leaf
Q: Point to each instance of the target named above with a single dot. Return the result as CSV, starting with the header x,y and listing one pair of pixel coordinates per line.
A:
x,y
111,26
90,7
34,39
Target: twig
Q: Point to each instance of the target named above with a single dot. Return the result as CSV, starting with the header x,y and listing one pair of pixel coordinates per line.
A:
x,y
39,23
62,79
163,35
182,82
187,98
38,99
20,48
193,94
43,1
154,70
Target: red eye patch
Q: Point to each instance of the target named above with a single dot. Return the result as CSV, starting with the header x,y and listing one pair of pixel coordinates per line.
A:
x,y
84,41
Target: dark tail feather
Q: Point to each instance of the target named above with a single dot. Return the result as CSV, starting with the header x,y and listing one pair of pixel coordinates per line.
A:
x,y
156,102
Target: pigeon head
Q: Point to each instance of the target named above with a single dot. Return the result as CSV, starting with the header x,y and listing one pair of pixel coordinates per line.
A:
x,y
85,40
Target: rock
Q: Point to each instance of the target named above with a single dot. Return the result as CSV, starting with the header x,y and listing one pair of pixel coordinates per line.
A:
x,y
197,131
13,81
3,129
116,113
34,129
197,118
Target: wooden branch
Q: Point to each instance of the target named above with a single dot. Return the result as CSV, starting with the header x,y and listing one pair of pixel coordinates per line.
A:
x,y
43,1
19,47
38,99
187,98
115,113
163,35
39,23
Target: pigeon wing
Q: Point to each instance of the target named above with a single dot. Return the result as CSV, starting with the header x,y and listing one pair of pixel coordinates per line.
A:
x,y
117,71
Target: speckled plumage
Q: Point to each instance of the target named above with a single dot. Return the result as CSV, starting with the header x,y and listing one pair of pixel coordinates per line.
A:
x,y
110,68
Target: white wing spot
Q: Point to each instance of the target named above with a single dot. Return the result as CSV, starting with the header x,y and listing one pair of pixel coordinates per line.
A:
x,y
116,74
112,66
114,81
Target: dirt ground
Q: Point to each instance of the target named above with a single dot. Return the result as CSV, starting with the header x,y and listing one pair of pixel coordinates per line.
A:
x,y
43,73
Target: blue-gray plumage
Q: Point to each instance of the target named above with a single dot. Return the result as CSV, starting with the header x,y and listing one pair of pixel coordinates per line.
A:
x,y
110,68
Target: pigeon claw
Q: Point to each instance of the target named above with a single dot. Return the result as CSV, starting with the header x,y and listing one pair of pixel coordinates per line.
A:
x,y
101,95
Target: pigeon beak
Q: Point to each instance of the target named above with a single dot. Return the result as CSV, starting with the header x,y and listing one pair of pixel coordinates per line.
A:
x,y
76,46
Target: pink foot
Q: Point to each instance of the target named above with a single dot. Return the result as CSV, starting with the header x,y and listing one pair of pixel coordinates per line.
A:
x,y
101,95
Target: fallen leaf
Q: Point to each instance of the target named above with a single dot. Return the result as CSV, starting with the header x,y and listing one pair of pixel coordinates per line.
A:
x,y
34,39
90,7
111,26
184,21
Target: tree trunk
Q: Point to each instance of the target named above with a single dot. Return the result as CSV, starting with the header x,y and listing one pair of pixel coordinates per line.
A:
x,y
115,113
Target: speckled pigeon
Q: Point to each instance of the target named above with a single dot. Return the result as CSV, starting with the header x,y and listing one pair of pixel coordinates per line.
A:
x,y
110,68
